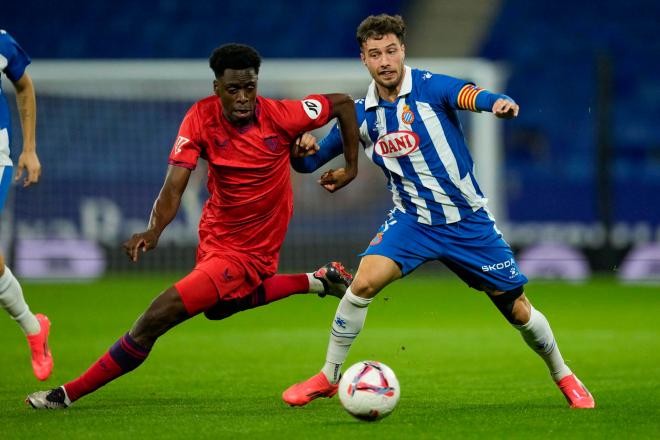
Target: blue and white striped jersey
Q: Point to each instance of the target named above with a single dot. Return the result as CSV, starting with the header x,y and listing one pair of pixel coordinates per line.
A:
x,y
13,61
419,144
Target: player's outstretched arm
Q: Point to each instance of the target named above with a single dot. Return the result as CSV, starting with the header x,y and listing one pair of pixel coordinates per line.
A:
x,y
163,212
476,99
343,108
27,109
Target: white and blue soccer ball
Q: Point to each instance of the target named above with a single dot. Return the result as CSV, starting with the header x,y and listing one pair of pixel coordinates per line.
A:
x,y
369,390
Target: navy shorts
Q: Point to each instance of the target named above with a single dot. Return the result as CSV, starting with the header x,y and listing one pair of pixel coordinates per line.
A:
x,y
5,182
473,248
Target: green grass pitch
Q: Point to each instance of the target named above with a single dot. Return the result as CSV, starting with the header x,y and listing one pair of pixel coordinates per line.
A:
x,y
464,372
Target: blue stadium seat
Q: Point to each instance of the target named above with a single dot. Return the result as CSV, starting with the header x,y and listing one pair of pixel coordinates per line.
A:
x,y
553,57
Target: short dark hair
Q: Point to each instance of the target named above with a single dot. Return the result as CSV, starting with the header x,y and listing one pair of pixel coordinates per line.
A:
x,y
377,26
234,56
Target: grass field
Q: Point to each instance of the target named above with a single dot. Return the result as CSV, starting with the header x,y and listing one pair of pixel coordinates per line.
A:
x,y
464,372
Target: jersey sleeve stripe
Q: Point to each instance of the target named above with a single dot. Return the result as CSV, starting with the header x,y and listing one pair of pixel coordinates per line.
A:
x,y
461,96
473,99
470,99
181,164
467,97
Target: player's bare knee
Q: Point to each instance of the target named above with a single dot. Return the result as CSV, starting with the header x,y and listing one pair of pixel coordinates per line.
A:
x,y
522,310
506,303
363,287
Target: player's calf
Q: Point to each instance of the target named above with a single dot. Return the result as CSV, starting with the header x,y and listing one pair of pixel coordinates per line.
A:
x,y
512,304
165,312
536,332
128,353
331,279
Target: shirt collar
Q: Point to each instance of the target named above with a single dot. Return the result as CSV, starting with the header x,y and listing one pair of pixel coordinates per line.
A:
x,y
372,97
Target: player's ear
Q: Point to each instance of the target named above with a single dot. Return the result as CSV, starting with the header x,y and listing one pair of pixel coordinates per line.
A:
x,y
363,58
403,50
216,87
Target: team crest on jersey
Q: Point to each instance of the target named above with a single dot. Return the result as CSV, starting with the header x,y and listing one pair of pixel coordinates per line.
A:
x,y
180,142
407,116
377,239
272,142
219,142
397,144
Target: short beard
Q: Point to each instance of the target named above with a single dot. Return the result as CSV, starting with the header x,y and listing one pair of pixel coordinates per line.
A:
x,y
393,85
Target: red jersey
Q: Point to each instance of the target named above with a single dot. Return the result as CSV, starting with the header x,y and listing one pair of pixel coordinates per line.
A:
x,y
249,182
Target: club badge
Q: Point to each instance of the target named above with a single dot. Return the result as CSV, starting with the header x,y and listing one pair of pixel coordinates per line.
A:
x,y
407,116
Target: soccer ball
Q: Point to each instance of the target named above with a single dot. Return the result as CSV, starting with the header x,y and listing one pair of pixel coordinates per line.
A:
x,y
369,390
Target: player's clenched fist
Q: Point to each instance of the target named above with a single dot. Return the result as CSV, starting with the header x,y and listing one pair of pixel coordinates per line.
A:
x,y
146,241
505,109
332,180
304,145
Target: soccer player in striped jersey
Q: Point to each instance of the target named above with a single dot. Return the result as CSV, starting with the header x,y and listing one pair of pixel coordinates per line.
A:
x,y
13,62
409,127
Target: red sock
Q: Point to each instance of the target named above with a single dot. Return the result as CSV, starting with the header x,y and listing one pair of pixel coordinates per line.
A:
x,y
281,286
125,355
272,289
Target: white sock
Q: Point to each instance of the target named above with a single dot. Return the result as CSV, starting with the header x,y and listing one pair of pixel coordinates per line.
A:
x,y
538,335
315,285
348,321
11,299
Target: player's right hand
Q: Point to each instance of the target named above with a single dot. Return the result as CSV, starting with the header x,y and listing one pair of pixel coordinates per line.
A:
x,y
505,109
146,241
28,164
304,145
332,180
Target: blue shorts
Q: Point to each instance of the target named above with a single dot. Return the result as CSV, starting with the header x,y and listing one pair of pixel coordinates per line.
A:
x,y
6,173
473,248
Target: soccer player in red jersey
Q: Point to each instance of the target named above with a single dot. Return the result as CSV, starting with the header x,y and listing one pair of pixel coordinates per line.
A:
x,y
246,140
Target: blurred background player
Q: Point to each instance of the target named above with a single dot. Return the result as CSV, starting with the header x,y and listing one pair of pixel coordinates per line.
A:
x,y
409,127
13,61
246,140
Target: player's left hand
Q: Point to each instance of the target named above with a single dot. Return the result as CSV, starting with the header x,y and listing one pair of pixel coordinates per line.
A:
x,y
505,109
304,145
28,161
332,180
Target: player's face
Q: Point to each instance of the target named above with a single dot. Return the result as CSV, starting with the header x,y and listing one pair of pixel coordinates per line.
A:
x,y
384,60
237,90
